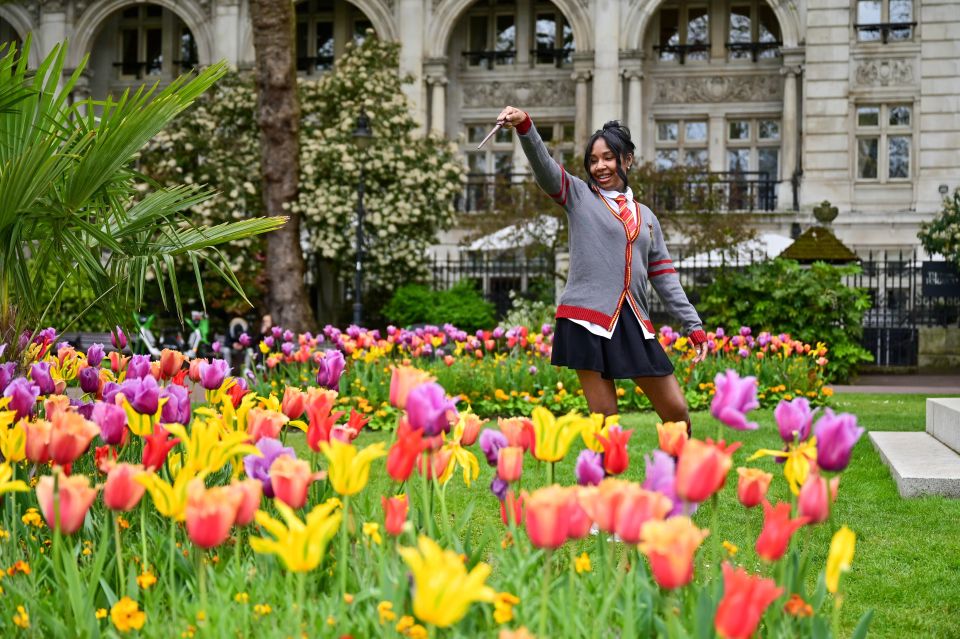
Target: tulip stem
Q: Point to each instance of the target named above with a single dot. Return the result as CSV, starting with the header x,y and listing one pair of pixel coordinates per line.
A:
x,y
202,578
301,597
427,515
121,586
344,534
170,563
544,594
143,535
550,473
629,629
714,521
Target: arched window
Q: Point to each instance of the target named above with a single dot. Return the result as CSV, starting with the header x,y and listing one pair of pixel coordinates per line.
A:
x,y
683,30
492,37
151,41
323,29
753,31
9,35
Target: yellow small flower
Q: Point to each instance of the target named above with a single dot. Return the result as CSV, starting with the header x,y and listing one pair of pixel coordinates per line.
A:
x,y
385,611
241,597
86,551
4,534
262,609
124,524
126,615
202,616
331,621
145,580
347,598
582,563
32,518
372,530
21,619
418,632
730,548
406,622
503,603
101,613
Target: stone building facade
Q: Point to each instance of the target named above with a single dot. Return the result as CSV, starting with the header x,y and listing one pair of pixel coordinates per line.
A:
x,y
852,101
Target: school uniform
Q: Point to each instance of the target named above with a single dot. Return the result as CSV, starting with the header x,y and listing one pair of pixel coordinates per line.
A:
x,y
616,246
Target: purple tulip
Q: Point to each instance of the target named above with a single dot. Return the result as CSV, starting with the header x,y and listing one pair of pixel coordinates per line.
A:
x,y
288,335
177,408
83,408
498,332
720,332
6,374
286,348
110,390
258,467
491,441
3,349
661,478
216,346
353,331
276,331
40,374
532,370
244,340
331,369
429,408
95,355
589,469
118,339
836,436
794,419
23,397
213,373
112,421
89,379
143,394
138,367
269,341
499,488
733,399
46,336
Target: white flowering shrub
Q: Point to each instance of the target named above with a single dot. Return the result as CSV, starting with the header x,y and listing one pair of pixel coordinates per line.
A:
x,y
411,182
942,234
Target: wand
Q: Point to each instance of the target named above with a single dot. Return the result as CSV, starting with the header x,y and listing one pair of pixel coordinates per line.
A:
x,y
490,135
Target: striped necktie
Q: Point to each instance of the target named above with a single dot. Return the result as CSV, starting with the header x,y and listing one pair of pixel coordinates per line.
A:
x,y
626,214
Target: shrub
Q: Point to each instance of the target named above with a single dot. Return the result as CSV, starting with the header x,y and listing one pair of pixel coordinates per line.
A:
x,y
411,304
462,305
811,304
942,234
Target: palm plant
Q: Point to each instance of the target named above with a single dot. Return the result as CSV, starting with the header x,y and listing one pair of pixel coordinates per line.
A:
x,y
73,204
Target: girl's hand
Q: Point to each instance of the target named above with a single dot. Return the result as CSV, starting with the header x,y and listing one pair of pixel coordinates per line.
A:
x,y
701,352
511,116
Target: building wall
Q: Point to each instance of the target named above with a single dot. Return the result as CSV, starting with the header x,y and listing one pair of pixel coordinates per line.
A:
x,y
824,74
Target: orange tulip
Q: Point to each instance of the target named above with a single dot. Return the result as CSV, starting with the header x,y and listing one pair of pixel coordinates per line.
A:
x,y
815,497
210,513
578,521
638,506
471,428
122,491
194,371
170,363
290,479
547,513
262,422
510,463
670,546
602,501
37,446
118,361
250,492
319,405
395,513
752,485
404,379
745,598
55,404
519,432
70,436
76,496
438,461
294,402
777,530
703,468
672,436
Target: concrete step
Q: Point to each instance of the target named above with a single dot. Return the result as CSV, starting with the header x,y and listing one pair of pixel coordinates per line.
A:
x,y
943,420
919,463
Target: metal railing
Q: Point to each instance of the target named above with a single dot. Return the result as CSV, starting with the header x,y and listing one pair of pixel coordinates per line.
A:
x,y
716,190
681,50
489,59
903,30
496,276
754,48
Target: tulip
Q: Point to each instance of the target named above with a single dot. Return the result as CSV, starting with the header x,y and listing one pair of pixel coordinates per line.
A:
x,y
511,506
404,379
836,435
349,431
290,479
660,476
702,469
499,488
615,455
670,546
471,428
37,444
777,530
118,339
156,446
815,497
75,496
840,556
294,402
510,463
638,506
7,371
319,405
491,441
249,493
104,457
752,485
546,517
331,370
519,432
262,423
23,397
212,374
394,513
89,380
442,588
121,491
404,452
589,469
142,395
602,501
429,409
745,598
118,362
672,436
436,463
138,367
70,436
210,513
95,355
7,486
258,466
193,369
300,545
55,404
13,440
794,419
554,436
170,363
40,374
579,523
734,398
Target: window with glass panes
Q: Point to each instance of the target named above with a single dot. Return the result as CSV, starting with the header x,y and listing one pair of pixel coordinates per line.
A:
x,y
684,31
491,33
753,145
884,20
552,37
752,31
315,48
681,142
9,34
884,141
141,40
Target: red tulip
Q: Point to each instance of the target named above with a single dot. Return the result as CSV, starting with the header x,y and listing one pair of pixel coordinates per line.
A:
x,y
156,446
510,463
104,457
511,506
319,405
290,479
638,506
294,402
395,513
122,492
76,496
70,436
236,394
703,468
752,485
815,497
250,492
349,431
670,546
210,513
777,530
745,598
615,455
404,452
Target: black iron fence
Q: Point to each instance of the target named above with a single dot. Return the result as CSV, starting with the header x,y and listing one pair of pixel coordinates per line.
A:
x,y
495,277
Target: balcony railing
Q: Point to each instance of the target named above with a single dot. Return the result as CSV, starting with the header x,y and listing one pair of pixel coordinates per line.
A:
x,y
310,65
559,57
753,48
139,70
900,30
485,191
488,59
681,50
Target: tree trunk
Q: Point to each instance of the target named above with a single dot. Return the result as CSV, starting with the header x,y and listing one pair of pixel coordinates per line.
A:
x,y
278,114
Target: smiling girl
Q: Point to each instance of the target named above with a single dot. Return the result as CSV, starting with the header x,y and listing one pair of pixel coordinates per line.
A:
x,y
603,329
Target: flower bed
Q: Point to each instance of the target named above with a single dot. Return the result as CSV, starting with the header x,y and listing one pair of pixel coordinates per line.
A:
x,y
127,509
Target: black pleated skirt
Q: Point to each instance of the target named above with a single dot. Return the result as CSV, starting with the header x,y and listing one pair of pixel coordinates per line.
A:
x,y
627,354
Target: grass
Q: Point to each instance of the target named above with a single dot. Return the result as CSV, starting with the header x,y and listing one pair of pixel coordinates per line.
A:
x,y
907,562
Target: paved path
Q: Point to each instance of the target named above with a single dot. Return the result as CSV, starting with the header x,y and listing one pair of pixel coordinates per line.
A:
x,y
945,384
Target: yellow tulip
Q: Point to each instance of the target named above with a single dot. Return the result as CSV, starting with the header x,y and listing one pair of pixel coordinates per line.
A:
x,y
13,438
7,486
142,425
170,500
595,425
349,470
300,545
209,445
840,557
553,435
797,465
444,589
462,457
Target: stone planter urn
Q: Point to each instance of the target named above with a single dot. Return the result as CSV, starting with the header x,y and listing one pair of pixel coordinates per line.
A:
x,y
824,213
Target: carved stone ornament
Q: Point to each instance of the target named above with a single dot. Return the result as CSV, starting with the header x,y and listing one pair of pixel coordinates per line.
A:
x,y
881,73
740,88
533,92
53,6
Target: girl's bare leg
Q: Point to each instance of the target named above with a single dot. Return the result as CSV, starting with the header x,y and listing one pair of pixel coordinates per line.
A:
x,y
600,393
667,398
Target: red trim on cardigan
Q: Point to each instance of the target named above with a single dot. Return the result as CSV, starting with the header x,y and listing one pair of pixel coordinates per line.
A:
x,y
524,126
647,324
698,337
659,262
563,188
653,274
586,314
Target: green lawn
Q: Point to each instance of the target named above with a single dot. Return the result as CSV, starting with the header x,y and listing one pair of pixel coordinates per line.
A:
x,y
907,563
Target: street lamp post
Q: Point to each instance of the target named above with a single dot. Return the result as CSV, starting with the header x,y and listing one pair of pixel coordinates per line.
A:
x,y
361,136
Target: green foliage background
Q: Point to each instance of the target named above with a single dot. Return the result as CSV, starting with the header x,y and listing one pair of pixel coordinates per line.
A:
x,y
942,234
462,305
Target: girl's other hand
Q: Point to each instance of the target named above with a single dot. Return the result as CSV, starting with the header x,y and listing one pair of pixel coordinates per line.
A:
x,y
511,116
701,352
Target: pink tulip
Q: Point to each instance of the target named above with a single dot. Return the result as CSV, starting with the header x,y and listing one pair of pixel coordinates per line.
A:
x,y
76,496
122,492
734,398
250,492
210,513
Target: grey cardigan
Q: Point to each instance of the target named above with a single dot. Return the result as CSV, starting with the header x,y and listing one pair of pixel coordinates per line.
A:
x,y
608,268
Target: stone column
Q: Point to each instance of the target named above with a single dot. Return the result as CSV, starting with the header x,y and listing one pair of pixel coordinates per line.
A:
x,y
410,15
582,73
633,74
606,69
227,28
789,134
716,137
53,25
342,27
524,31
436,76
